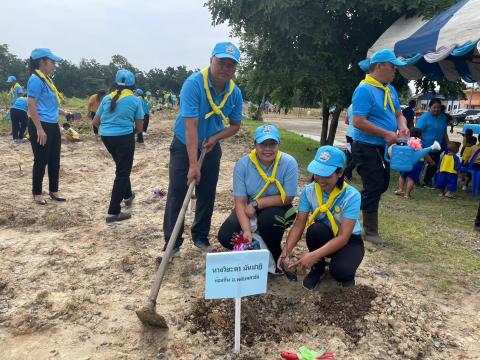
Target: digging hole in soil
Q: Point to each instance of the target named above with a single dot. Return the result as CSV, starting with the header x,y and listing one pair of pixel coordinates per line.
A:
x,y
275,318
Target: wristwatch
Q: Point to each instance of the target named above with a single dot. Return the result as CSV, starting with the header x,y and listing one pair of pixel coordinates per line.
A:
x,y
254,203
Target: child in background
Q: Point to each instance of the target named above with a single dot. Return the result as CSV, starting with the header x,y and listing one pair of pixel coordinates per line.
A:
x,y
407,180
467,134
447,174
70,134
465,176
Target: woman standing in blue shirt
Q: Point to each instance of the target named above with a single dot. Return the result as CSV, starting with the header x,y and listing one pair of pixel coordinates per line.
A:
x,y
19,117
434,128
333,228
45,138
146,110
257,198
118,117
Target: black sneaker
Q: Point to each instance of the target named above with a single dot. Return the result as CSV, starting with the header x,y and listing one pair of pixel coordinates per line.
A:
x,y
313,278
129,201
118,217
428,186
202,245
348,284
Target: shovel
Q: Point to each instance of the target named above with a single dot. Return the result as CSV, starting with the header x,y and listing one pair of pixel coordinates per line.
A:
x,y
148,314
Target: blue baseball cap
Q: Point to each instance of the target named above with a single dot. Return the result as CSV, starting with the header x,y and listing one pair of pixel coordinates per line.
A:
x,y
224,50
327,160
379,56
124,78
44,52
148,93
11,79
266,132
138,91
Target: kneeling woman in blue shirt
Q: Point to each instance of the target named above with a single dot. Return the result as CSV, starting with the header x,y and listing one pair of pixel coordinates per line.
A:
x,y
264,185
43,106
118,117
333,228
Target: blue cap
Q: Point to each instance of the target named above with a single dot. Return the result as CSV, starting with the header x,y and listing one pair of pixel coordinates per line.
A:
x,y
138,91
148,93
379,56
327,160
266,132
11,79
226,50
124,78
44,52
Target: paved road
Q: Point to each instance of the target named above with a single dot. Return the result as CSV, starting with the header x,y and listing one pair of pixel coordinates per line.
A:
x,y
313,127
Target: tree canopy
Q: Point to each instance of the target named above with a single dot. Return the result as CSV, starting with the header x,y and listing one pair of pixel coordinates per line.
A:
x,y
305,53
89,76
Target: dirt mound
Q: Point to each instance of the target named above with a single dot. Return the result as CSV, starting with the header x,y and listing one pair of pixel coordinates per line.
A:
x,y
344,307
264,318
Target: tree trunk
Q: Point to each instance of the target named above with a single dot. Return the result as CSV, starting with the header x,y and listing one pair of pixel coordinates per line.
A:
x,y
333,126
325,115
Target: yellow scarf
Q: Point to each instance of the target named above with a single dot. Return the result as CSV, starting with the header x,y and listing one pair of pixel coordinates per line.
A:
x,y
125,93
325,208
388,98
50,84
12,89
268,180
448,164
216,109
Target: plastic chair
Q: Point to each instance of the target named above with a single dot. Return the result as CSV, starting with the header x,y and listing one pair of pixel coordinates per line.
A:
x,y
475,173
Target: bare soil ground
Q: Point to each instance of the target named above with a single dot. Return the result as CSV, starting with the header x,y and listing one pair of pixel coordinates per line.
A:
x,y
69,283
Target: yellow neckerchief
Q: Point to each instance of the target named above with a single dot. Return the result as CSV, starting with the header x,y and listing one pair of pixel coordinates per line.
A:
x,y
125,93
216,109
448,164
12,89
268,180
325,208
388,98
50,84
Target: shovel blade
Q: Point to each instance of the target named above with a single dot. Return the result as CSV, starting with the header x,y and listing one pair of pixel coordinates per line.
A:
x,y
150,317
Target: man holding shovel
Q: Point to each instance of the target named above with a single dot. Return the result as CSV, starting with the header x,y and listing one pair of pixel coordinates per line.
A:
x,y
210,110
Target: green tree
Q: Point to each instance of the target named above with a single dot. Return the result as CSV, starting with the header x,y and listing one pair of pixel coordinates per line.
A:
x,y
312,46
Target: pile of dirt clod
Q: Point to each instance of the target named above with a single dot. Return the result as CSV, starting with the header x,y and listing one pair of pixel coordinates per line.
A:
x,y
344,307
264,318
382,321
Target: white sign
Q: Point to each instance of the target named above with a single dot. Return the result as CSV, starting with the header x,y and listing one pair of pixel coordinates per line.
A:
x,y
236,274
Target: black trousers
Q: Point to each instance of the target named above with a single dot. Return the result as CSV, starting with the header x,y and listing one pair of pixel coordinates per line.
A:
x,y
350,163
146,120
374,171
48,154
431,170
204,191
268,228
95,129
345,262
122,149
19,123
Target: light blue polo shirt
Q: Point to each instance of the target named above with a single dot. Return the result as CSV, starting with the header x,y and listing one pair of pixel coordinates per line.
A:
x,y
21,104
194,104
16,93
248,182
350,127
368,101
47,104
146,106
122,120
433,128
347,206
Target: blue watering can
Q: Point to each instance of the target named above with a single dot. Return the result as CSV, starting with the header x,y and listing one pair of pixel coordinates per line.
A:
x,y
402,157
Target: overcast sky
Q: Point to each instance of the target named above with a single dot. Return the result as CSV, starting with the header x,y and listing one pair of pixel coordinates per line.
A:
x,y
149,33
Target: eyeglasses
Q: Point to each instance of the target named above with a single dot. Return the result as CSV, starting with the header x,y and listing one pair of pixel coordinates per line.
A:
x,y
227,64
269,145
